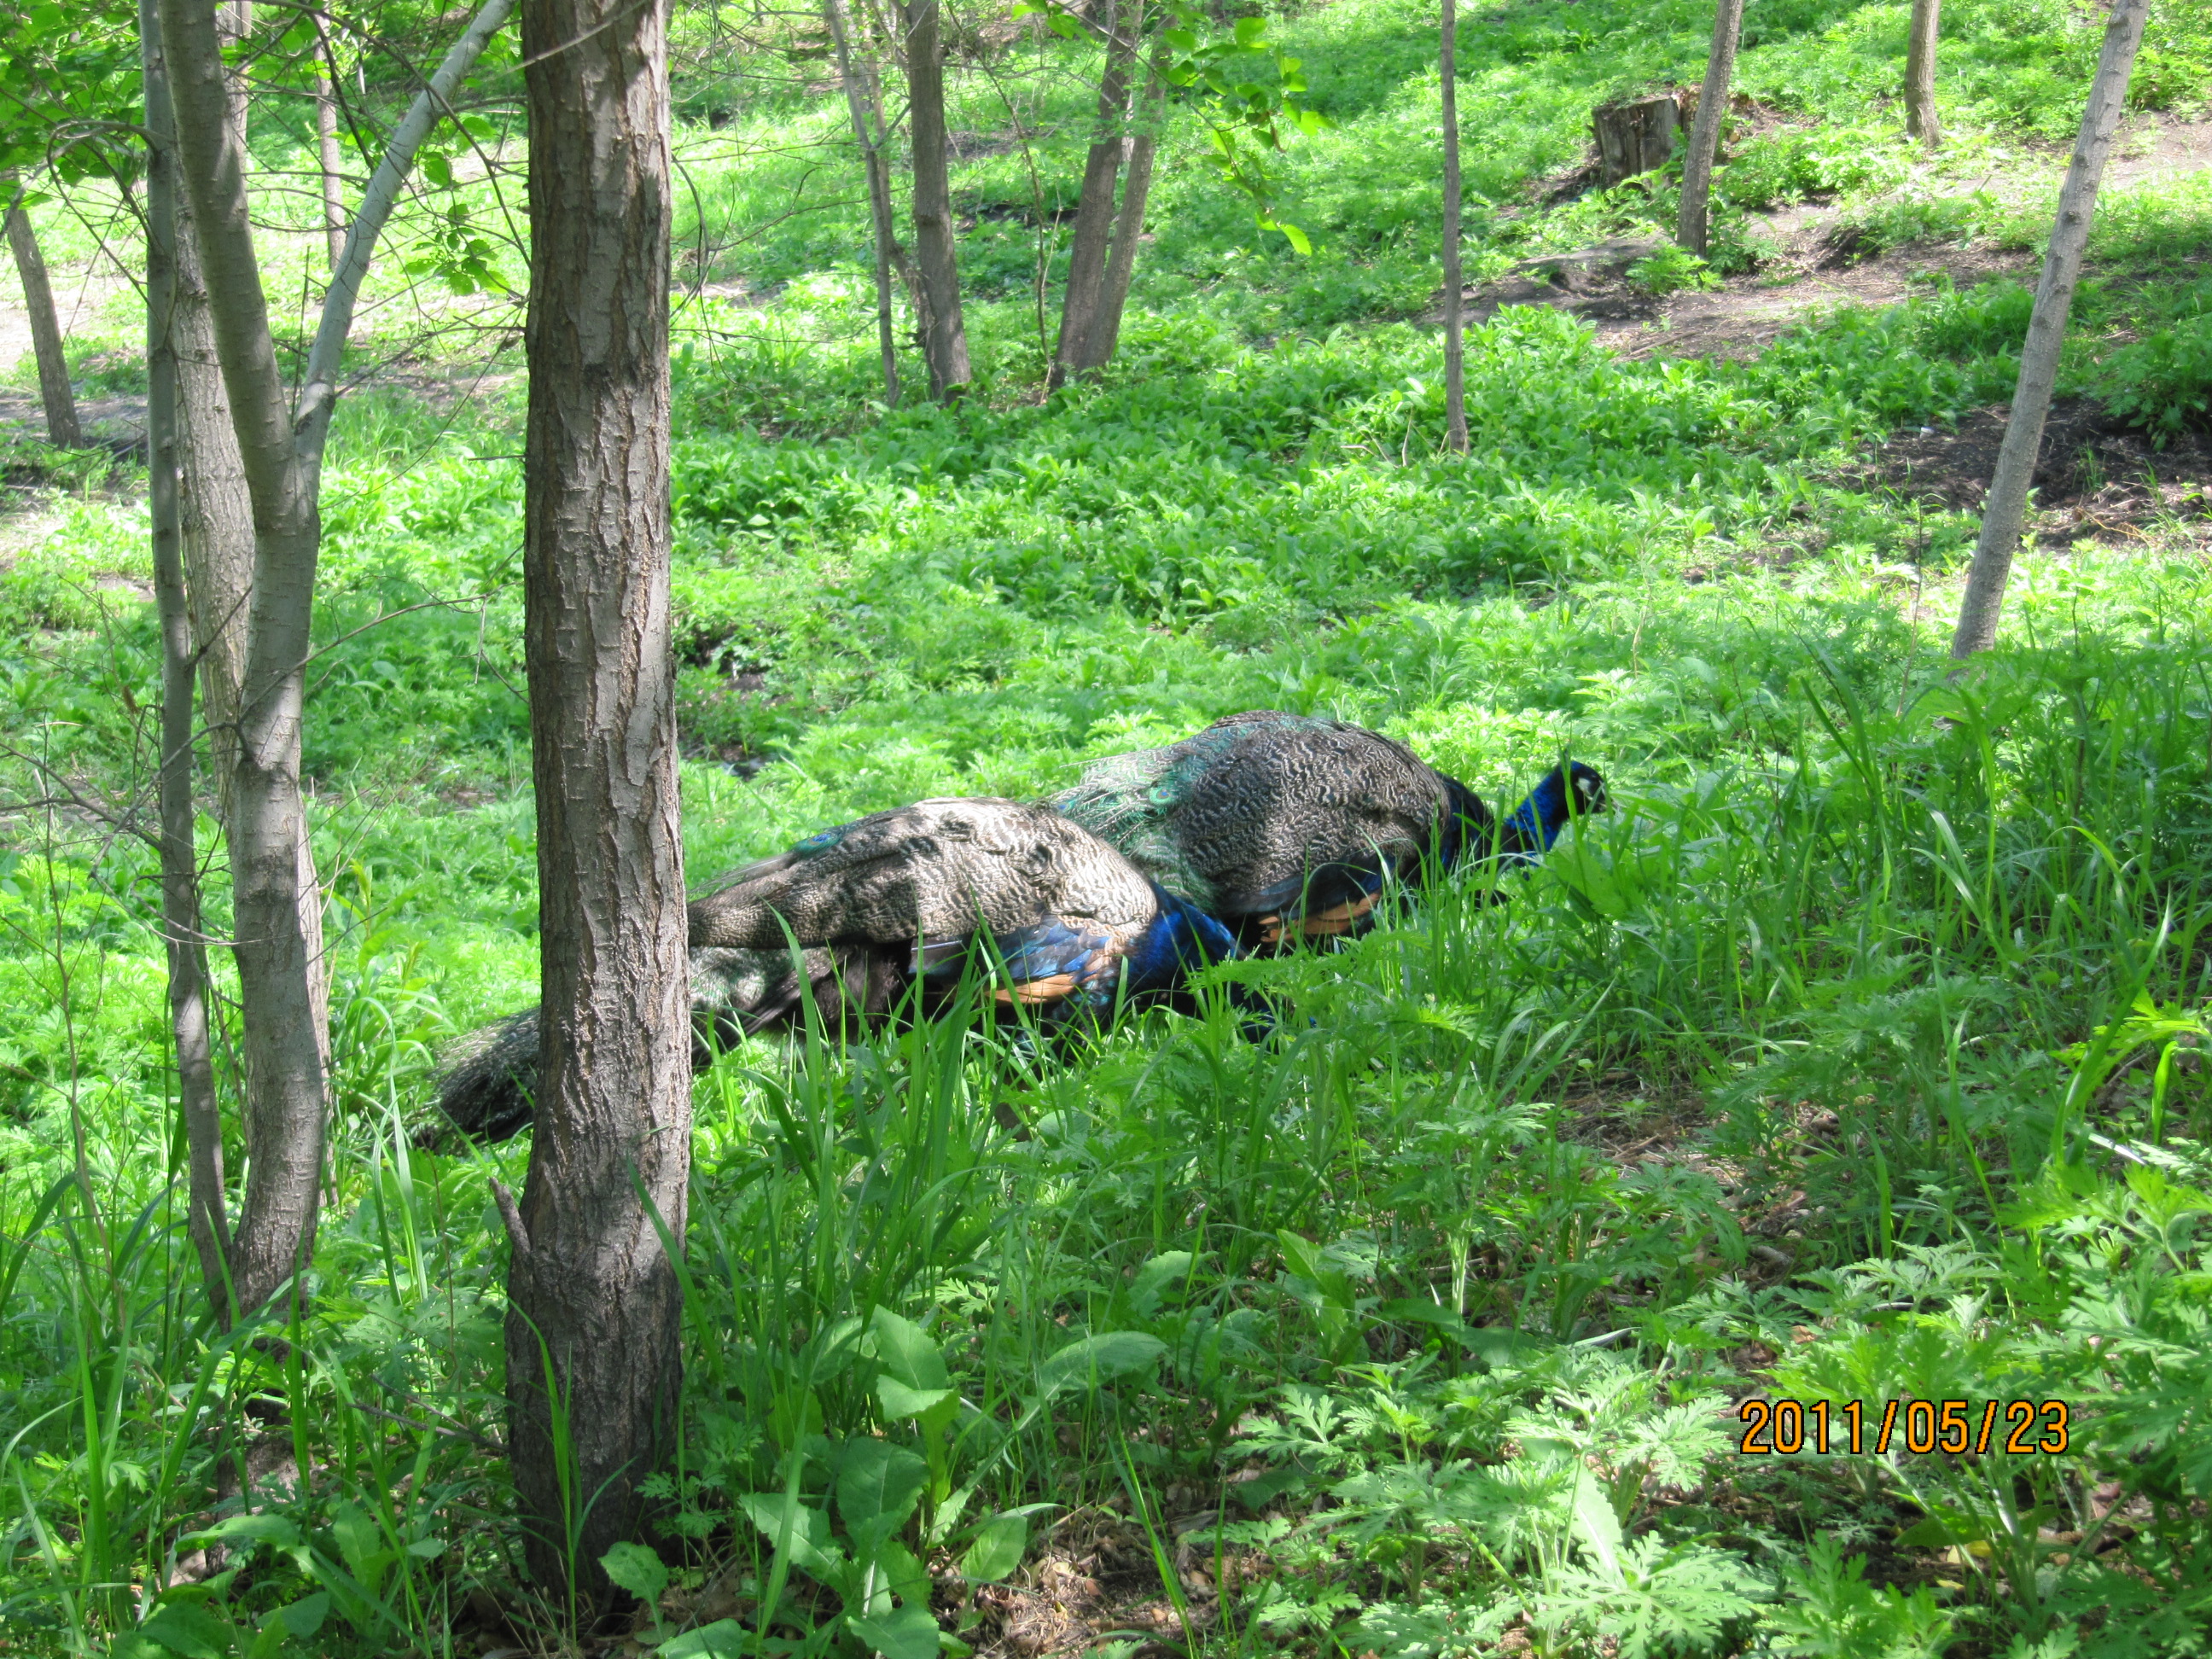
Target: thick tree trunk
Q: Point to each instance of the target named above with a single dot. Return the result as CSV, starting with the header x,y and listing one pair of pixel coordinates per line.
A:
x,y
2006,510
207,1225
1105,331
278,958
869,136
943,332
1455,334
1094,206
333,166
55,392
1920,118
593,1307
1692,229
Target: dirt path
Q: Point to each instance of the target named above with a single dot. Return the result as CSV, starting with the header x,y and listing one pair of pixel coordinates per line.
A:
x,y
1813,268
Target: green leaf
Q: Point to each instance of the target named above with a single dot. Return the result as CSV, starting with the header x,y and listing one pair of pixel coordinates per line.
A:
x,y
1097,1359
907,1351
1250,31
1596,1524
725,1638
998,1549
304,1617
1159,1278
436,168
637,1569
878,1487
908,1633
808,1540
191,1632
899,1402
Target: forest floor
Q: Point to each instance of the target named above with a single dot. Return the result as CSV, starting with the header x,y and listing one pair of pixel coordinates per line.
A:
x,y
1853,1056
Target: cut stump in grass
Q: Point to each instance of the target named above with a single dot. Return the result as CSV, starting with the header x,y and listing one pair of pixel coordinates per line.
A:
x,y
1635,137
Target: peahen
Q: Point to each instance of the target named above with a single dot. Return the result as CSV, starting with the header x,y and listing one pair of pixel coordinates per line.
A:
x,y
890,912
1286,824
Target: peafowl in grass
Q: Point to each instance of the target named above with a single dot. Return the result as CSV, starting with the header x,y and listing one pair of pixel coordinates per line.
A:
x,y
1286,826
888,913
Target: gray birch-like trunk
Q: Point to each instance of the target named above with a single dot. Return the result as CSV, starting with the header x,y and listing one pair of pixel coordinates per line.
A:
x,y
1921,121
1693,228
944,330
869,136
2005,513
1141,145
275,901
56,395
333,166
1455,326
1094,206
278,961
205,1201
594,1321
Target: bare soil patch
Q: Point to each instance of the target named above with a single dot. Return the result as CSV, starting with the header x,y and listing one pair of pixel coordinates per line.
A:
x,y
2092,477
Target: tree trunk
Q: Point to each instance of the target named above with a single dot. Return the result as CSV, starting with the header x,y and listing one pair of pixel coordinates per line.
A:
x,y
870,138
326,143
1105,331
593,1306
1920,118
1455,335
275,901
1692,229
279,957
207,1225
2006,510
943,333
1637,137
54,391
1094,206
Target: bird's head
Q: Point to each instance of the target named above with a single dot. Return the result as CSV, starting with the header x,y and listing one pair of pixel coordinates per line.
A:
x,y
1588,788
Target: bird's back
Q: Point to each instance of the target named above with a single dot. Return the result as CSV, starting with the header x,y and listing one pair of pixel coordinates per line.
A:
x,y
938,869
1258,802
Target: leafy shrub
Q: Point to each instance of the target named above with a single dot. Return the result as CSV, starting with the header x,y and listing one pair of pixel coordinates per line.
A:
x,y
1890,224
1987,321
1669,271
2163,382
1791,165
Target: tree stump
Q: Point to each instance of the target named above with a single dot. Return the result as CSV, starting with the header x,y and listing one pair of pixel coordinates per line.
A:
x,y
1637,137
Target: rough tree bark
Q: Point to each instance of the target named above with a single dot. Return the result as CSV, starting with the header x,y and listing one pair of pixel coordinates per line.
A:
x,y
55,393
1094,206
1920,118
180,897
274,903
943,332
1455,336
868,134
1692,228
594,1314
2006,511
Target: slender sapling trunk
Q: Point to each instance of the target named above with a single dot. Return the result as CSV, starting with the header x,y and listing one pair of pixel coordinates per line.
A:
x,y
2006,511
1455,335
55,392
868,134
1693,229
944,331
1094,208
1921,121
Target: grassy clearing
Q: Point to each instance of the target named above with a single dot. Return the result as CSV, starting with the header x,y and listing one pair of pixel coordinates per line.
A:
x,y
1853,1057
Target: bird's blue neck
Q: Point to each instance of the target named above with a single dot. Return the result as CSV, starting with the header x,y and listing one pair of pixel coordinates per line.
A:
x,y
1467,825
1182,936
1536,822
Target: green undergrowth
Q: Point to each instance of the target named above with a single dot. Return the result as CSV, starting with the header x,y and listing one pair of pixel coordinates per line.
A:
x,y
1856,1055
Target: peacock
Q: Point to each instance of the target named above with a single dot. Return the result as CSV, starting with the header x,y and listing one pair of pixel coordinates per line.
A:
x,y
1286,826
888,913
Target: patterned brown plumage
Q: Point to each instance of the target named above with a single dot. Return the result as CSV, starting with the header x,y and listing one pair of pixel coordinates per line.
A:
x,y
888,912
1279,824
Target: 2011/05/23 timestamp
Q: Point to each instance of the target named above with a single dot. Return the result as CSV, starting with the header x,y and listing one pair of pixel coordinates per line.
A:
x,y
1956,1426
